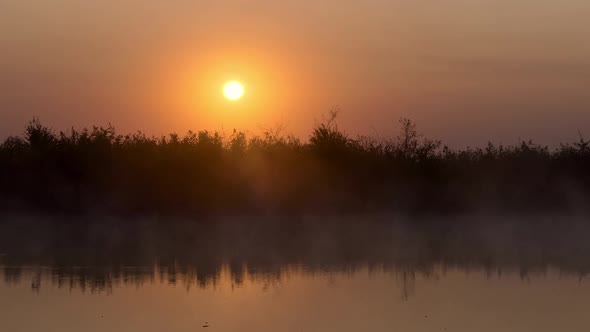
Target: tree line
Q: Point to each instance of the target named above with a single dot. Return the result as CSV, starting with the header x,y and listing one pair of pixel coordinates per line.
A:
x,y
202,173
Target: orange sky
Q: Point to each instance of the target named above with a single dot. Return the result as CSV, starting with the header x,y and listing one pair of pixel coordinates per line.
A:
x,y
467,71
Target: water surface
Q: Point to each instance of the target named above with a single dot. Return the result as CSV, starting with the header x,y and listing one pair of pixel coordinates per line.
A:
x,y
367,276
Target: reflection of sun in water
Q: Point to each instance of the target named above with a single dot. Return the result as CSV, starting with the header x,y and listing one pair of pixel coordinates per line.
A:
x,y
233,90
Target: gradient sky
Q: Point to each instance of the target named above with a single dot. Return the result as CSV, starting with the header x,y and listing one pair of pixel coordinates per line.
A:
x,y
467,71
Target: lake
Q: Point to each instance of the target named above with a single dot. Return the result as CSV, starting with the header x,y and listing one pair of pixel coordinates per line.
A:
x,y
372,276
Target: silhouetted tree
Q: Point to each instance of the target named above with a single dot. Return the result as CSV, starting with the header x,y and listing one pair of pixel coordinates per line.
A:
x,y
204,172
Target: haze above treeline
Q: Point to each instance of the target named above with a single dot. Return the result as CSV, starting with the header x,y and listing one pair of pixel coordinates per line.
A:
x,y
468,72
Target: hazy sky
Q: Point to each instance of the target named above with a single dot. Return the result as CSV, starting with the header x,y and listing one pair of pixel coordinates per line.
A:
x,y
467,71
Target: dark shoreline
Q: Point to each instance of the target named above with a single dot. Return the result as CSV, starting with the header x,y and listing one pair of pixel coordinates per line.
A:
x,y
99,172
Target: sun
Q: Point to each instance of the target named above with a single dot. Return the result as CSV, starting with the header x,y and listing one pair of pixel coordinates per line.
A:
x,y
233,90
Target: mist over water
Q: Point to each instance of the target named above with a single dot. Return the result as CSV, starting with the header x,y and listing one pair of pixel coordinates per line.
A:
x,y
305,274
111,250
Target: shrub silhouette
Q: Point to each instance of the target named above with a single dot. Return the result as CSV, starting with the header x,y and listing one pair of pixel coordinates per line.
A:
x,y
100,171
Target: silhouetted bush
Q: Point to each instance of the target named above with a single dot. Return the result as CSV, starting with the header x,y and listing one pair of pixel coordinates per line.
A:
x,y
100,171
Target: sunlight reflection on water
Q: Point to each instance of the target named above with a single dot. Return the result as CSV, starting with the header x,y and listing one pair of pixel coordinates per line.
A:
x,y
292,298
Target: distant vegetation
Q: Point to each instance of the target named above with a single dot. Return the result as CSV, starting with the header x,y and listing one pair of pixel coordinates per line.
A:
x,y
99,171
